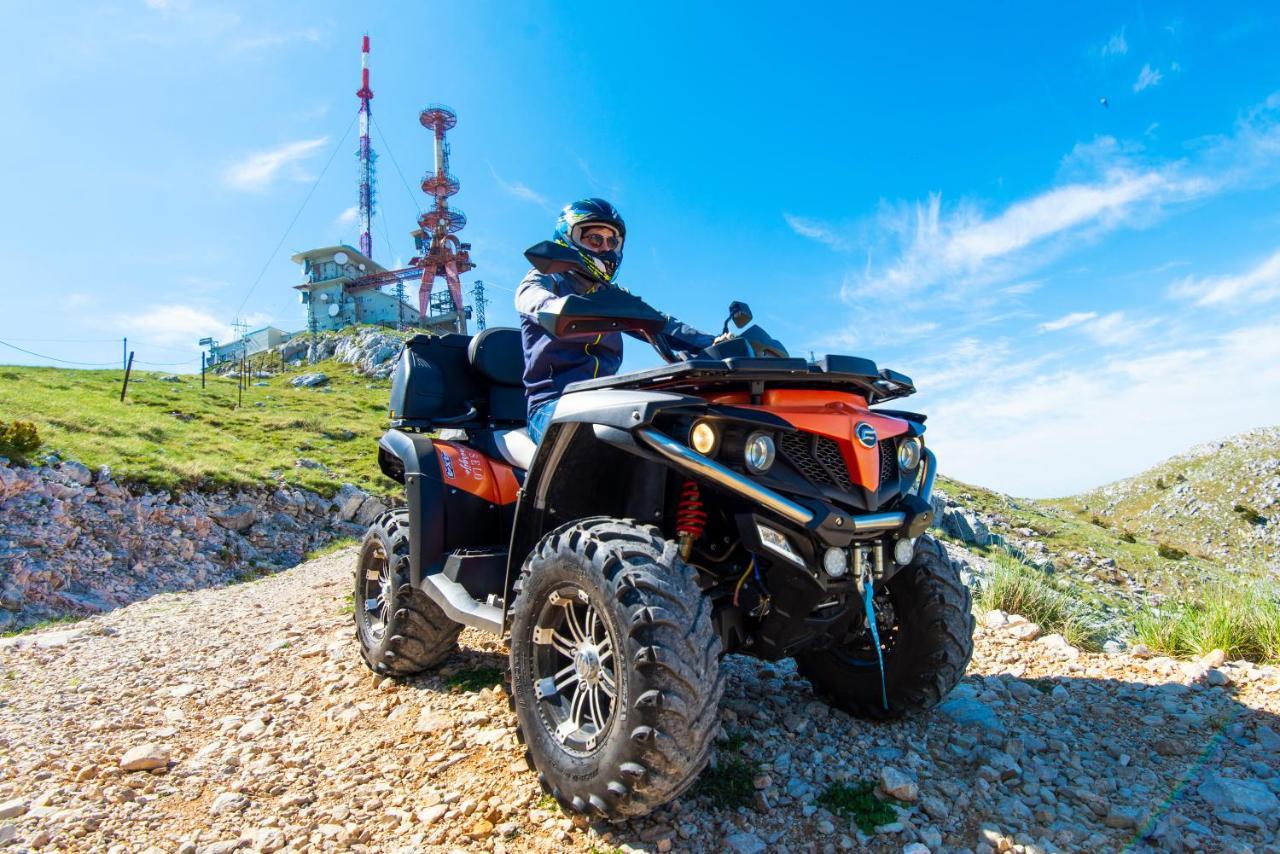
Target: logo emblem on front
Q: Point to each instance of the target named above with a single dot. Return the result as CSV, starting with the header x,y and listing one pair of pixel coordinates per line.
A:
x,y
866,434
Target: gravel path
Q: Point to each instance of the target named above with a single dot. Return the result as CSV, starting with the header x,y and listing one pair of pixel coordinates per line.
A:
x,y
251,723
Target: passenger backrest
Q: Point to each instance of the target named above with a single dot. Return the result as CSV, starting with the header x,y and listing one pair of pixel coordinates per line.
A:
x,y
497,356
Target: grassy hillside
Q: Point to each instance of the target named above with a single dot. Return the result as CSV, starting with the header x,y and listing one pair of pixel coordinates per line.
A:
x,y
169,434
1219,501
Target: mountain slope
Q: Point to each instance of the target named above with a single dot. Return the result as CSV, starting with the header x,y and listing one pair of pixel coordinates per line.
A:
x,y
1219,501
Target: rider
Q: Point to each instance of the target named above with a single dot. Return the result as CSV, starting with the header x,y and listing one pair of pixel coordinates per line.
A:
x,y
595,229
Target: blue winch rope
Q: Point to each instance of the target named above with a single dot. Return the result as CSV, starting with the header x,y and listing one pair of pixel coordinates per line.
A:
x,y
869,599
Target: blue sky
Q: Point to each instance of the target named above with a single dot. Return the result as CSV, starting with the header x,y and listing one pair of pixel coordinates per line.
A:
x,y
1079,290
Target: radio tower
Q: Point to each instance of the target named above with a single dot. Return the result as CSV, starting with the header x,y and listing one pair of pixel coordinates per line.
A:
x,y
479,300
366,155
443,255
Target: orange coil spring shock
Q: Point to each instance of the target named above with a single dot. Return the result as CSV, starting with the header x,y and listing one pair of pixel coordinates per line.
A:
x,y
691,519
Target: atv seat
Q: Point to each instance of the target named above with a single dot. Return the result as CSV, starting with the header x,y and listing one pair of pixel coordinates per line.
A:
x,y
515,447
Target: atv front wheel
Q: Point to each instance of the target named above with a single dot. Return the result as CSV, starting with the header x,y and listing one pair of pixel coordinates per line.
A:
x,y
401,631
925,622
615,671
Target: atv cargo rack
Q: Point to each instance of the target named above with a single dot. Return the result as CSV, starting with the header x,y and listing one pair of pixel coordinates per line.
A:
x,y
877,385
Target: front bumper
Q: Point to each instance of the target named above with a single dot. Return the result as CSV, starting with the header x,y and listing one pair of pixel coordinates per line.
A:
x,y
830,526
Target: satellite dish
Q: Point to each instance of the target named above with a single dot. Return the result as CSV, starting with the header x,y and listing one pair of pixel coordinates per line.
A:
x,y
333,311
362,268
324,298
340,258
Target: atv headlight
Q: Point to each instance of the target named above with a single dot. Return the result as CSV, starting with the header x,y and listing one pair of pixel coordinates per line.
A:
x,y
759,452
776,541
702,438
909,453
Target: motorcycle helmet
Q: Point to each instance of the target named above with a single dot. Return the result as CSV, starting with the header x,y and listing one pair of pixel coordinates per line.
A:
x,y
603,258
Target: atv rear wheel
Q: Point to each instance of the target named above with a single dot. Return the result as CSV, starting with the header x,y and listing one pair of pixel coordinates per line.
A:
x,y
615,671
925,622
401,631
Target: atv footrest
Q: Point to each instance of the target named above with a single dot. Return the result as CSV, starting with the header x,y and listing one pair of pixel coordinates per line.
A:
x,y
482,572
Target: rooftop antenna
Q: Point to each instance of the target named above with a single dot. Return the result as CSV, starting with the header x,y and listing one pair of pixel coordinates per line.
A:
x,y
442,253
366,154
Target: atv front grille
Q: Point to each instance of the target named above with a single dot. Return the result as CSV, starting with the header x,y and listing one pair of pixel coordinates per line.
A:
x,y
818,458
888,462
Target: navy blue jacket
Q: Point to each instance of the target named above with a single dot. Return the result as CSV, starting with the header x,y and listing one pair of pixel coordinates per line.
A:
x,y
552,363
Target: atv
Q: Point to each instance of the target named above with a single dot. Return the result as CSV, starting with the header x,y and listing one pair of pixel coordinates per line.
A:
x,y
740,500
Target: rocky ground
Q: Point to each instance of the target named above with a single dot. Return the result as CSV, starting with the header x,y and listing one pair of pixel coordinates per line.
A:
x,y
241,717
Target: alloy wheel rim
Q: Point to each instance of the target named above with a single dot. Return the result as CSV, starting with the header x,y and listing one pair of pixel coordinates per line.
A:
x,y
377,593
575,677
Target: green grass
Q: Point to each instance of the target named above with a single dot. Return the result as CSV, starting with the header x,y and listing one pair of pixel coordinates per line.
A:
x,y
547,802
51,623
474,678
169,435
335,546
1241,620
728,785
858,802
1019,588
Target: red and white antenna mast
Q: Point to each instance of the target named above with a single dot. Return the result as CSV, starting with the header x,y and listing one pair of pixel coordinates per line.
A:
x,y
366,155
443,254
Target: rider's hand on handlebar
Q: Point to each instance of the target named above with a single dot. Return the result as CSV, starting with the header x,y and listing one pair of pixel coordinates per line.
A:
x,y
722,338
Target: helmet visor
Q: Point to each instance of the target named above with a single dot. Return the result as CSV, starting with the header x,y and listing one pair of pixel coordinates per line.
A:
x,y
597,237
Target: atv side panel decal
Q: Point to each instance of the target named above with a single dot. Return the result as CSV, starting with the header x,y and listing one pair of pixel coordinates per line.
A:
x,y
471,471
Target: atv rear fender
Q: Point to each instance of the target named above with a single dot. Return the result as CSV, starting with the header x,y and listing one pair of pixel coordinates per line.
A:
x,y
441,520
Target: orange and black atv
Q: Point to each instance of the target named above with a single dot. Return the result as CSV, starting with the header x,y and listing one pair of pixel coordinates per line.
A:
x,y
741,501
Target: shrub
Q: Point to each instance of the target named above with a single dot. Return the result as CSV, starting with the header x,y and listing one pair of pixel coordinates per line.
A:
x,y
1247,513
1243,621
1170,552
858,802
1018,588
18,440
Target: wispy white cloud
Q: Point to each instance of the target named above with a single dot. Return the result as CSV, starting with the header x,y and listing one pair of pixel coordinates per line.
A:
x,y
347,217
261,41
1147,78
259,170
173,325
1260,283
1103,185
816,230
519,190
1008,442
1067,321
1116,45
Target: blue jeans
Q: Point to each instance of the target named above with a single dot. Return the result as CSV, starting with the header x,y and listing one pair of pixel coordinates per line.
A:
x,y
539,418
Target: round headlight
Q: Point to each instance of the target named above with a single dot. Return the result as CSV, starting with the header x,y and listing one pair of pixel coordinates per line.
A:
x,y
703,437
759,452
909,454
904,551
835,562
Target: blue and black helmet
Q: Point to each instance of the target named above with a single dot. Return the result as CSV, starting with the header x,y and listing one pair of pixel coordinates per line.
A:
x,y
604,257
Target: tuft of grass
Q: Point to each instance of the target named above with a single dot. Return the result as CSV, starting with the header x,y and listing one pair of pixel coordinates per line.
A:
x,y
735,740
335,546
1169,552
348,607
1248,514
50,623
858,802
474,678
1243,621
1019,588
547,802
729,785
18,440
